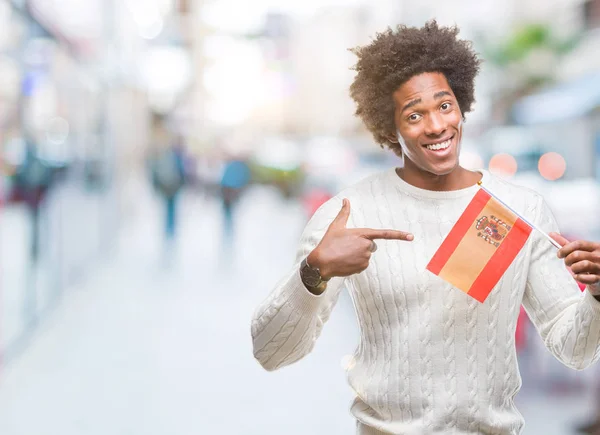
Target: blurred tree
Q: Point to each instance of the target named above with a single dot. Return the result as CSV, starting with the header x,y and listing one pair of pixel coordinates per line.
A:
x,y
525,40
525,61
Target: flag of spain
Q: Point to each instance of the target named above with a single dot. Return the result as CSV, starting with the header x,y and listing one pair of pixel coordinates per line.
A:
x,y
480,247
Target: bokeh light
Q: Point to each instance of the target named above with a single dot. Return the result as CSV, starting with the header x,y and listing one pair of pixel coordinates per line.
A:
x,y
552,166
470,160
503,165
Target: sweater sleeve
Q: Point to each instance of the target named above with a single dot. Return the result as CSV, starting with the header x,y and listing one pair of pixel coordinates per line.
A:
x,y
287,324
567,319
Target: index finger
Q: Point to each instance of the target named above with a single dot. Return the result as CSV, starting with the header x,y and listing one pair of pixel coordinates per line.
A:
x,y
371,234
578,245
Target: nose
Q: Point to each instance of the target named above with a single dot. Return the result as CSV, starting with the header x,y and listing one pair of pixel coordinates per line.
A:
x,y
435,125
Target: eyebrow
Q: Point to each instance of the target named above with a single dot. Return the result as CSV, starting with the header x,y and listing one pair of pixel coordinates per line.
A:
x,y
416,101
441,94
411,104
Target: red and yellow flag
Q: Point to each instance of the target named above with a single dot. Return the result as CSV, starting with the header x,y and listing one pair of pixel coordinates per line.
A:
x,y
480,247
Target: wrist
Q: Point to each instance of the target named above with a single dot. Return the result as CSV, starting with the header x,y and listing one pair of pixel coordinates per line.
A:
x,y
312,278
314,260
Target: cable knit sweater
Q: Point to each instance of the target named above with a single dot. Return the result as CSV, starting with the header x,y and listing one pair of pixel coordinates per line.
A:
x,y
430,358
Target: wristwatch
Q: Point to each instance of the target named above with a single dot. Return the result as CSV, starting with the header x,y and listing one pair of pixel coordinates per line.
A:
x,y
311,277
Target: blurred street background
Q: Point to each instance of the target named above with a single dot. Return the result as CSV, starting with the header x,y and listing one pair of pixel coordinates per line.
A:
x,y
160,159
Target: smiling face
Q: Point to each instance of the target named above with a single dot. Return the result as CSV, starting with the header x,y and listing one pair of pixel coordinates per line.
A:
x,y
429,124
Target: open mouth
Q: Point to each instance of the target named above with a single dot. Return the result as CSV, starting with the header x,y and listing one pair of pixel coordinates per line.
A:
x,y
439,146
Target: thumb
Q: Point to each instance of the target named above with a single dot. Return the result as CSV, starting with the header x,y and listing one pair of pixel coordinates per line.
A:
x,y
560,239
341,219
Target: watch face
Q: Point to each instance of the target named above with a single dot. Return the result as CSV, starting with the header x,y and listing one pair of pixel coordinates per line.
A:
x,y
311,277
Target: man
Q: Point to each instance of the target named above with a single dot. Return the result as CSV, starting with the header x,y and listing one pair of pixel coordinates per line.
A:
x,y
431,359
168,177
235,179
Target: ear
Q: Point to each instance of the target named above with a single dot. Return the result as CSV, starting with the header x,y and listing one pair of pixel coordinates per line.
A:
x,y
392,138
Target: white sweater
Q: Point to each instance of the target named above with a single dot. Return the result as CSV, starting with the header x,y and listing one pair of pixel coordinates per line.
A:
x,y
430,358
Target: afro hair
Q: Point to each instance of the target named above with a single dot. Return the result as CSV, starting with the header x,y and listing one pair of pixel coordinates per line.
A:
x,y
394,56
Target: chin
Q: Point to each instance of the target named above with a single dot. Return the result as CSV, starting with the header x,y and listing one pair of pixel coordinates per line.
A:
x,y
443,170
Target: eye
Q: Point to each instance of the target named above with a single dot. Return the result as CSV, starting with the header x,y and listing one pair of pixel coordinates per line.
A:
x,y
413,117
445,106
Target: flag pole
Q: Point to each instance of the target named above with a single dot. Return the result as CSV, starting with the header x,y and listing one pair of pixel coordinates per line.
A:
x,y
550,239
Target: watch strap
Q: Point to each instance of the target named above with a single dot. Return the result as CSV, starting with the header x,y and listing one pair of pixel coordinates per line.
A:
x,y
316,269
311,278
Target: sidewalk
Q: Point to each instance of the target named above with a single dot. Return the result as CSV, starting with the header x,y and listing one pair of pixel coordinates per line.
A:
x,y
148,348
145,349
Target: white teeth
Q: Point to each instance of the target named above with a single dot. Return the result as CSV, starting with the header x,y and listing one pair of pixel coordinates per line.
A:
x,y
439,146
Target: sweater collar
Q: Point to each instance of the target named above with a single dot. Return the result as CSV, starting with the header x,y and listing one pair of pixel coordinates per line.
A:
x,y
435,194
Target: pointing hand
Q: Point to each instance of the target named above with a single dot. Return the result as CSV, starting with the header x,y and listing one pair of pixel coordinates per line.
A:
x,y
345,251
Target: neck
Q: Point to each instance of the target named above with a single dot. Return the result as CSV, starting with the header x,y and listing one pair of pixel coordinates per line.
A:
x,y
459,178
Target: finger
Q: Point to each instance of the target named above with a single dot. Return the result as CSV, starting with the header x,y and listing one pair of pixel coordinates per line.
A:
x,y
587,279
373,246
341,219
577,256
585,266
578,245
558,238
371,234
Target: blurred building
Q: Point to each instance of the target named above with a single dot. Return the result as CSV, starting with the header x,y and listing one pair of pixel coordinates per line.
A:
x,y
562,114
78,84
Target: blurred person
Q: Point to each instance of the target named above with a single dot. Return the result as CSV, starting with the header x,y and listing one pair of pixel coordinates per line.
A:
x,y
234,179
168,178
431,359
32,180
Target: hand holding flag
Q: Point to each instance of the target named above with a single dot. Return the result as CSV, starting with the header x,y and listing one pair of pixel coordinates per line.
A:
x,y
583,258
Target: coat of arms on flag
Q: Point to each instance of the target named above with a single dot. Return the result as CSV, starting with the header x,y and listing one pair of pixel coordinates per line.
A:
x,y
480,246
